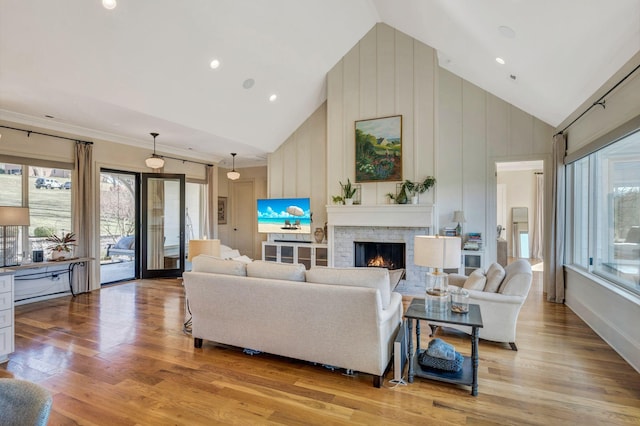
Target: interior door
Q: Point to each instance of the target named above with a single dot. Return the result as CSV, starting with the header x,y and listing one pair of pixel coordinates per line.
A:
x,y
244,218
163,201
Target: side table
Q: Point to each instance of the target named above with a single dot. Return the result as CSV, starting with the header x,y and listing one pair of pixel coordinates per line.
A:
x,y
468,375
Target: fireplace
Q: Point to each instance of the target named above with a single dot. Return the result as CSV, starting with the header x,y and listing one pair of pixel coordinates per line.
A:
x,y
380,254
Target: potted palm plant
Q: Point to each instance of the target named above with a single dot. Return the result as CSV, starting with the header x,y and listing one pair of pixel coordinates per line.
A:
x,y
61,246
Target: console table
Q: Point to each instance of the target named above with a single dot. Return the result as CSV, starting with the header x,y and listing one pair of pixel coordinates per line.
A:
x,y
68,264
468,375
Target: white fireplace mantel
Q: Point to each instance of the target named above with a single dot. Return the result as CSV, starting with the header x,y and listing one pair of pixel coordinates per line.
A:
x,y
400,215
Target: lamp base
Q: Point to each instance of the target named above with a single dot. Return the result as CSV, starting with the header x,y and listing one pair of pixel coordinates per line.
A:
x,y
437,295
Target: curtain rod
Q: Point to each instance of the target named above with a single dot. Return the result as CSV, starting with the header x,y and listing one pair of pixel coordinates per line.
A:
x,y
601,101
28,132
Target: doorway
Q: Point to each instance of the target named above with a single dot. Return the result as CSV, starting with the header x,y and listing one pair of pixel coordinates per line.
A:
x,y
520,207
119,207
244,220
163,230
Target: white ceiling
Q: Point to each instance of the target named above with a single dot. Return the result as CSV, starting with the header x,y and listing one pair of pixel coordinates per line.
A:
x,y
143,67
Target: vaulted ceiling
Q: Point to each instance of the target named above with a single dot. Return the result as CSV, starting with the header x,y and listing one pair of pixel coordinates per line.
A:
x,y
144,66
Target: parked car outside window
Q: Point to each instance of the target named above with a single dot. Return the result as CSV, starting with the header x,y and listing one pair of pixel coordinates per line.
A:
x,y
67,185
47,183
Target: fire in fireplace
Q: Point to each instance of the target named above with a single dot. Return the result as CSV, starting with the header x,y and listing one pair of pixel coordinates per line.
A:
x,y
383,255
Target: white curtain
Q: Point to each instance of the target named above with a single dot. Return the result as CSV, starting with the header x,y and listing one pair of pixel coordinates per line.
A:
x,y
553,268
155,242
83,213
537,232
210,204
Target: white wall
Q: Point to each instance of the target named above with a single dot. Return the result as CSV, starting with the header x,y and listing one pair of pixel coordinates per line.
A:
x,y
451,129
610,312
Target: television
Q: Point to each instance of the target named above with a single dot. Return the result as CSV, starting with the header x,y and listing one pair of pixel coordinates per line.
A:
x,y
284,215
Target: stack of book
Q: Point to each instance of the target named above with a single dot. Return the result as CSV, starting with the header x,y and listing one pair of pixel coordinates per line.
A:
x,y
474,241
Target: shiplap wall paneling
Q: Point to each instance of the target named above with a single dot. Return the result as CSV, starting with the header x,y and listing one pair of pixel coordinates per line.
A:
x,y
423,106
335,128
450,148
474,151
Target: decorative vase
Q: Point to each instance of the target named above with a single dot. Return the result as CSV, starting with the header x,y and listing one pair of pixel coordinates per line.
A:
x,y
414,199
318,235
348,201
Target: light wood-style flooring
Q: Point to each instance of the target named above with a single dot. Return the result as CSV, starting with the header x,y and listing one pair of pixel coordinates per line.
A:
x,y
119,357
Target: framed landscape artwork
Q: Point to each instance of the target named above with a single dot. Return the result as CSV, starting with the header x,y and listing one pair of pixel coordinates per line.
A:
x,y
379,149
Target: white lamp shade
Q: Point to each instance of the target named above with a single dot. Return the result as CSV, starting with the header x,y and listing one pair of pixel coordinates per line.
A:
x,y
154,162
14,216
458,216
233,175
208,247
437,252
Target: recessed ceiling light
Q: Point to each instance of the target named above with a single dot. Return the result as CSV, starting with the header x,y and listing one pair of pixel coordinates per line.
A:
x,y
248,83
273,98
214,64
500,60
507,31
109,4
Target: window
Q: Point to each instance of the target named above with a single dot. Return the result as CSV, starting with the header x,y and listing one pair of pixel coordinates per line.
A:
x,y
605,217
47,195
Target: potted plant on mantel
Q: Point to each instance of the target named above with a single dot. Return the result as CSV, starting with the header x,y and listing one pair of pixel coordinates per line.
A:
x,y
61,247
412,189
348,191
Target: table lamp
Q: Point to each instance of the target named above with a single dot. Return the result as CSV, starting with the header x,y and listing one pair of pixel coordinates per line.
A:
x,y
208,247
438,253
458,216
11,218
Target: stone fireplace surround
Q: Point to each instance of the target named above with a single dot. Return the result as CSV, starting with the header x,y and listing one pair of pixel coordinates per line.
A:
x,y
385,223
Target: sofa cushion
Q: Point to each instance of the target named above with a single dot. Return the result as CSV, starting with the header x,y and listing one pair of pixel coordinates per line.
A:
x,y
377,278
126,243
476,281
495,275
517,280
214,265
276,271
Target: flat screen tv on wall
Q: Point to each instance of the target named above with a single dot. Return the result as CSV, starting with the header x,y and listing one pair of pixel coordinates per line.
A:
x,y
284,215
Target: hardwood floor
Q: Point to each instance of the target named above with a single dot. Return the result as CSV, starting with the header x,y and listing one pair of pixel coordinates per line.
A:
x,y
119,357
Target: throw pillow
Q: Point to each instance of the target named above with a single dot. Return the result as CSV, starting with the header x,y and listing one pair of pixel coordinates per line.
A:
x,y
476,281
377,278
214,265
276,271
495,275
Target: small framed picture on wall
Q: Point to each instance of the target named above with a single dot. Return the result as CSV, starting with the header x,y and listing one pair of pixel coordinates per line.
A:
x,y
222,210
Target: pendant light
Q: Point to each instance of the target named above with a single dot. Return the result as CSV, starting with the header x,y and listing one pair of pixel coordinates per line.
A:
x,y
233,175
155,161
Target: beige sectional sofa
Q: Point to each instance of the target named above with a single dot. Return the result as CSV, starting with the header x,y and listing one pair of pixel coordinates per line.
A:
x,y
346,318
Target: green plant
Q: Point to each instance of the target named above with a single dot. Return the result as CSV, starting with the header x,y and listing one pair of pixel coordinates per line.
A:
x,y
43,231
348,191
63,243
391,196
337,199
412,188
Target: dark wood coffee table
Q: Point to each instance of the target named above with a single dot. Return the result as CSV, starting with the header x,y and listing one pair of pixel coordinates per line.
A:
x,y
468,375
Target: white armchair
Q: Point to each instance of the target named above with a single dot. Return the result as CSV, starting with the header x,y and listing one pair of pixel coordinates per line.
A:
x,y
499,309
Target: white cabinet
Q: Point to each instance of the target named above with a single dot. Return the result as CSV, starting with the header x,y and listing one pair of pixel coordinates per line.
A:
x,y
285,252
6,315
